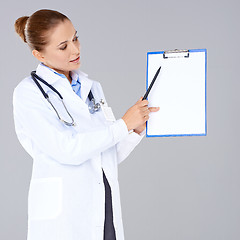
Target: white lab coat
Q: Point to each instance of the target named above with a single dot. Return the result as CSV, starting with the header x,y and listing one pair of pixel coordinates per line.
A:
x,y
66,195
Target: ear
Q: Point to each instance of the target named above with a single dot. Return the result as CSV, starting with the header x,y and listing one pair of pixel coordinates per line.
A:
x,y
38,55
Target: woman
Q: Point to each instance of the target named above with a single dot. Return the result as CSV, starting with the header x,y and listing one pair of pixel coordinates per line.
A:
x,y
74,191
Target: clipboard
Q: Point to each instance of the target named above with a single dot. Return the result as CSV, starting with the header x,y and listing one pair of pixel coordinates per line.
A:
x,y
180,91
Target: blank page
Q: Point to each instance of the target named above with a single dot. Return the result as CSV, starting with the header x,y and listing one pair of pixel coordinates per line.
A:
x,y
180,92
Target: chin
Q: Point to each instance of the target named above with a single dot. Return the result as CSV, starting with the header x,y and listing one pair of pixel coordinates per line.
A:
x,y
75,68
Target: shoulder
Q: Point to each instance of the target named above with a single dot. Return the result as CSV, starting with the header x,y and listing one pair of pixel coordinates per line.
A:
x,y
96,85
25,85
26,90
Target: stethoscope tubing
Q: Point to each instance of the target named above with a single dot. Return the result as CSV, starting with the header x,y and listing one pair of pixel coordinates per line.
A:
x,y
35,76
94,106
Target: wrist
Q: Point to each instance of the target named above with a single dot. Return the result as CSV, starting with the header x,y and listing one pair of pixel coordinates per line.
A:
x,y
136,131
141,133
126,123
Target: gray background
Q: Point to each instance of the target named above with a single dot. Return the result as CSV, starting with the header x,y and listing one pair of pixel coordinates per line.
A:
x,y
180,188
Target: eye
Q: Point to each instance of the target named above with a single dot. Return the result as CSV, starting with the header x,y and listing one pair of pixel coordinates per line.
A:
x,y
63,48
76,38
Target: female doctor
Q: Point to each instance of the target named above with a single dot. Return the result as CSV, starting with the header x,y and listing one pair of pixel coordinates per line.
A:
x,y
72,136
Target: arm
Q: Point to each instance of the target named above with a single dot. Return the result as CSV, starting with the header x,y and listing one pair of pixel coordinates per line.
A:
x,y
134,114
126,146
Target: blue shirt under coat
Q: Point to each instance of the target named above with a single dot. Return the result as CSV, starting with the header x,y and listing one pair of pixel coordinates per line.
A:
x,y
76,84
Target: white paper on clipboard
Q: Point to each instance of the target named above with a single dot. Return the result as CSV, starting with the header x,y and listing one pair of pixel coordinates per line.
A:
x,y
179,91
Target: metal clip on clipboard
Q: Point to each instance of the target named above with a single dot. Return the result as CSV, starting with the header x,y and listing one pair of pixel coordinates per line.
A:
x,y
176,53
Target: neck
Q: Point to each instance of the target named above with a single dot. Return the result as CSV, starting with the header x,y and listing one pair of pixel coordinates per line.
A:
x,y
67,74
69,77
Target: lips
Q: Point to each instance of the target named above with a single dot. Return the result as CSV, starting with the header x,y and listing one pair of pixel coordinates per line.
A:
x,y
76,60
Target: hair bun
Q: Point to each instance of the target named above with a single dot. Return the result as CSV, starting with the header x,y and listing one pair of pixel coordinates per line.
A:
x,y
20,24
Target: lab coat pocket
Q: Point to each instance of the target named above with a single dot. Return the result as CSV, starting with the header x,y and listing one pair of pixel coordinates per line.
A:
x,y
45,198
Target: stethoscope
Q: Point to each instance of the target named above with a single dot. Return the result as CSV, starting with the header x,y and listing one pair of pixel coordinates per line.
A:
x,y
93,106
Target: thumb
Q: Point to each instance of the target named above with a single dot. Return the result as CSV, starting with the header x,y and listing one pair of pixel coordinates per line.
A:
x,y
140,99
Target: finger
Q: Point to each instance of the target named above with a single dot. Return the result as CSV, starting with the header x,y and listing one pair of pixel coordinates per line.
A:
x,y
154,109
143,111
140,100
144,108
146,118
146,111
143,103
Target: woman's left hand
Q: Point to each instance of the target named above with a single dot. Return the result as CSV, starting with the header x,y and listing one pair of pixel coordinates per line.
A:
x,y
142,128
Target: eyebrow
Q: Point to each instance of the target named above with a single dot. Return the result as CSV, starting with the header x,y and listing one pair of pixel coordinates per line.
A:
x,y
66,40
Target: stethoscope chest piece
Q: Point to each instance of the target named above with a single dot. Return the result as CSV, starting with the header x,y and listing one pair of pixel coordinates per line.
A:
x,y
93,106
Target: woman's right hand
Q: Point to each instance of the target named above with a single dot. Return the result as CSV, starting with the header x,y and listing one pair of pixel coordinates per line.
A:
x,y
137,115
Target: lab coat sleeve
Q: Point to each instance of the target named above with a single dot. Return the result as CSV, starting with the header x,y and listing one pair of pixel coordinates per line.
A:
x,y
128,143
125,146
37,123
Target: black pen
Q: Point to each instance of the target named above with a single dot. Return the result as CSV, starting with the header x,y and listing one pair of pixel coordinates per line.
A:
x,y
153,81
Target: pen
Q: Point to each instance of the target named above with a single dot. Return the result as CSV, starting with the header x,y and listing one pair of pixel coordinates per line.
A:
x,y
153,81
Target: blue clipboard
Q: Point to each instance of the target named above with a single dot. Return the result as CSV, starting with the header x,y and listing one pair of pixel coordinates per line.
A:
x,y
180,91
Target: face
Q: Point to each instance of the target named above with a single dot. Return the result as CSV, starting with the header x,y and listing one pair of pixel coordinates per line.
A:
x,y
62,53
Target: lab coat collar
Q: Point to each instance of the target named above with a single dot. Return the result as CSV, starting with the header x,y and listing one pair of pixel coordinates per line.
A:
x,y
86,84
47,74
52,78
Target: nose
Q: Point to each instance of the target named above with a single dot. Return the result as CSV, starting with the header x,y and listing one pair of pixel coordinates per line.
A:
x,y
75,48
